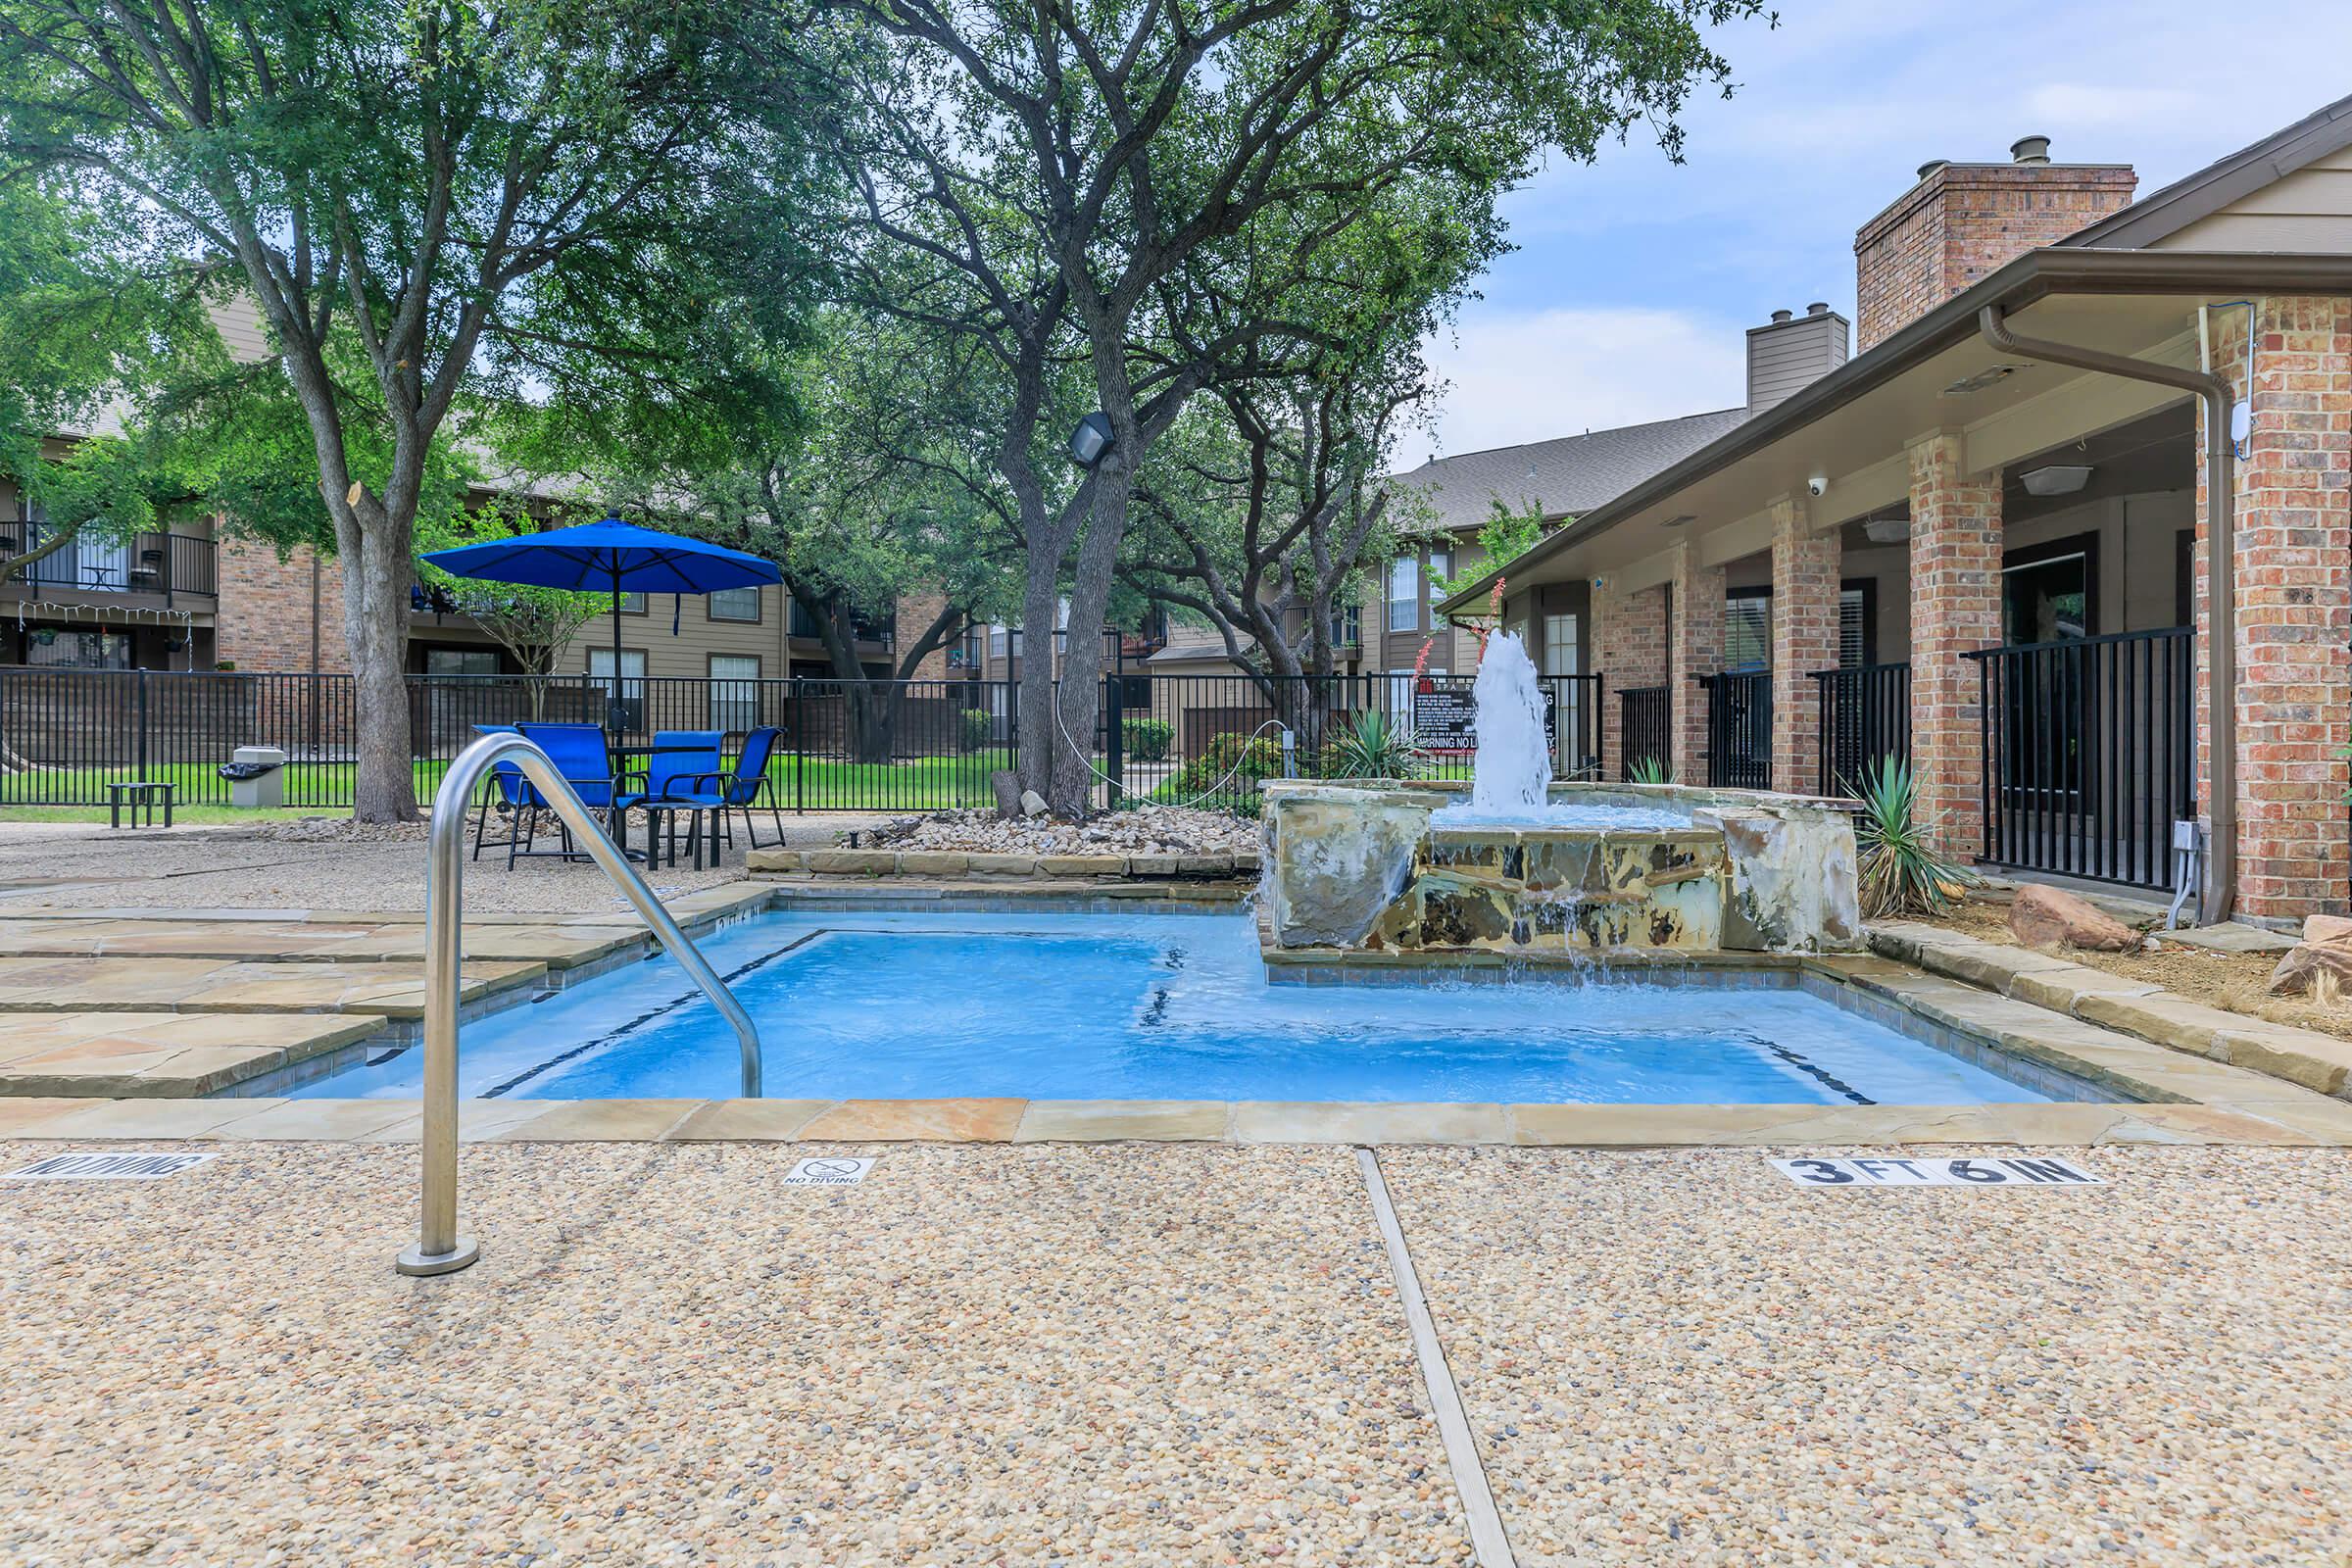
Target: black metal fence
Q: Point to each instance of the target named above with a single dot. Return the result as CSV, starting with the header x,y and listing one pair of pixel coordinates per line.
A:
x,y
1739,729
1644,729
1865,715
2089,753
873,746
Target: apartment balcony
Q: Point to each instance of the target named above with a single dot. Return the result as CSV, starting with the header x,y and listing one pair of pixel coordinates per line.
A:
x,y
147,570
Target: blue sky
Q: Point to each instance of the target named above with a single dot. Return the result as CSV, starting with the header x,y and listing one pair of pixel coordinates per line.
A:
x,y
1635,277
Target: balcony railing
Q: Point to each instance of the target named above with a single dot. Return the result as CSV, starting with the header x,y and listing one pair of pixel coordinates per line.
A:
x,y
172,565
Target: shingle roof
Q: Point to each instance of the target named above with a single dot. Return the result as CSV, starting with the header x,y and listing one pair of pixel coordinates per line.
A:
x,y
1567,475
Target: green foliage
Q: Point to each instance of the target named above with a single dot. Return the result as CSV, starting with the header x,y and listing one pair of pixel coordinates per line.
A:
x,y
1900,874
974,726
1147,740
1246,759
1372,745
1503,538
1652,770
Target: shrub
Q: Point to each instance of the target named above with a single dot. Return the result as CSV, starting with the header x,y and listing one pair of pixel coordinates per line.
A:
x,y
1371,747
1900,875
975,726
1248,758
1652,770
1147,739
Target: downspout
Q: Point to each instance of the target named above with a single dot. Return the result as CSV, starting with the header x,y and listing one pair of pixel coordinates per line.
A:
x,y
2221,848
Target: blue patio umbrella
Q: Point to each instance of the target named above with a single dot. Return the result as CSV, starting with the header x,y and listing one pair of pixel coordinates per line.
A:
x,y
609,557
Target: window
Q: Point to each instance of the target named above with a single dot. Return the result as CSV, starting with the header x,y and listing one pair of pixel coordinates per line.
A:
x,y
733,604
2050,593
632,604
1404,594
734,692
1559,644
463,661
1858,624
999,642
631,695
77,649
1747,629
1347,626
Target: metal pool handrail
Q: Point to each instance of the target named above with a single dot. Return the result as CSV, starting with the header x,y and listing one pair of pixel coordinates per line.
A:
x,y
439,1248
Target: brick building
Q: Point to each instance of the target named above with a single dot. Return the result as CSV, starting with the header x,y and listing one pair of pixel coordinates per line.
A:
x,y
2004,503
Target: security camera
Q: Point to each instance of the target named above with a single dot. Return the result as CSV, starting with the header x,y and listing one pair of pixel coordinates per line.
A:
x,y
1818,484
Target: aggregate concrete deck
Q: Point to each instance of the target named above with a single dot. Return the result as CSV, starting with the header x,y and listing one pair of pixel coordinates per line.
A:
x,y
1680,1359
1141,1355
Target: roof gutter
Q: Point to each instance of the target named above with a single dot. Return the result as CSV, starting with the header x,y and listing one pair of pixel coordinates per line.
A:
x,y
2032,277
2221,851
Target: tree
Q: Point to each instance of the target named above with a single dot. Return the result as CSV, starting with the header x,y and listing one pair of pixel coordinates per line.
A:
x,y
429,200
1036,177
860,483
532,624
81,338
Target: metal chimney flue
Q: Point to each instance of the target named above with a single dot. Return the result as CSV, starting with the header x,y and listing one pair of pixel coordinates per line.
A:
x,y
2029,150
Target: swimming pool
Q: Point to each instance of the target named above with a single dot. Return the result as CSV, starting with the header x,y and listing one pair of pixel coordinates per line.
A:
x,y
1158,1006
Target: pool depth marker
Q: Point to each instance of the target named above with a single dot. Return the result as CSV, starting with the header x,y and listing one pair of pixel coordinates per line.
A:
x,y
1487,1537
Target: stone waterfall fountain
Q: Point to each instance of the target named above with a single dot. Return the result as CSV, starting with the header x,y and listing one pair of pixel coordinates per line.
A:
x,y
1520,866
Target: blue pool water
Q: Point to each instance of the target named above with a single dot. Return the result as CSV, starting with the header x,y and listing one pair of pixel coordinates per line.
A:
x,y
1095,1006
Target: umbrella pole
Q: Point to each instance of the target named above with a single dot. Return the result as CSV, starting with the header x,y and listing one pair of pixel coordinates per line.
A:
x,y
617,715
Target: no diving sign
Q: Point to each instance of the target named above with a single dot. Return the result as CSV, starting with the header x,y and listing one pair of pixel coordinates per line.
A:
x,y
119,1165
825,1173
1856,1174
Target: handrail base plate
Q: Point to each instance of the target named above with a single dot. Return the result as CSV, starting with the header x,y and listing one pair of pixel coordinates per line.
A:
x,y
413,1262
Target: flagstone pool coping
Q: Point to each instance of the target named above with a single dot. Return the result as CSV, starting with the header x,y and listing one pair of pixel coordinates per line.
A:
x,y
125,1073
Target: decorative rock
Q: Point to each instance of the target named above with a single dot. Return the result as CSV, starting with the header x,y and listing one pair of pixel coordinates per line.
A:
x,y
2326,927
1340,859
853,863
2046,917
2300,970
1204,866
1032,803
1792,880
933,862
774,860
1153,865
1082,864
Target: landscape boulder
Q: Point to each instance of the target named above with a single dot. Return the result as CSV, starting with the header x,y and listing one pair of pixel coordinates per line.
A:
x,y
2326,949
1033,803
2047,918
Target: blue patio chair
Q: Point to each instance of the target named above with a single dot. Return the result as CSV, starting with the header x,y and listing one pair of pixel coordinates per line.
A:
x,y
580,754
746,785
680,760
510,792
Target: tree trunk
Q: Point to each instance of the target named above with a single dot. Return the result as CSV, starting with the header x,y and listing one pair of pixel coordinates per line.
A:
x,y
1038,745
376,587
874,714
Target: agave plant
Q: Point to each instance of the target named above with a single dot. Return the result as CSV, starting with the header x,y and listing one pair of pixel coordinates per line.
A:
x,y
1899,873
1652,770
1370,746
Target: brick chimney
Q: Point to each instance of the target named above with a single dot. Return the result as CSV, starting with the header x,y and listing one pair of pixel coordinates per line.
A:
x,y
1790,352
1961,221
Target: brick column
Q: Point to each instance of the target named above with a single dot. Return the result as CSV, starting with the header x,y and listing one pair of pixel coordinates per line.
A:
x,y
1694,649
1955,608
1804,638
2293,535
1628,649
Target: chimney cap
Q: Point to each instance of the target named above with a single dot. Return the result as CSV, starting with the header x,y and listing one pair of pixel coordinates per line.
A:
x,y
1930,166
1779,316
2029,150
1818,308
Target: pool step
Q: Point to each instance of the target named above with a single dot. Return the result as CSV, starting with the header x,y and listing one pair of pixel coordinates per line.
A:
x,y
164,1055
385,988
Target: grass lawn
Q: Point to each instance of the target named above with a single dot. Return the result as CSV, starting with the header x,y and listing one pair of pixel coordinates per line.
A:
x,y
811,783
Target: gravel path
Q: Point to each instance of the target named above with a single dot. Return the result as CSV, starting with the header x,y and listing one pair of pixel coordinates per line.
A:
x,y
1680,1359
384,869
1119,1355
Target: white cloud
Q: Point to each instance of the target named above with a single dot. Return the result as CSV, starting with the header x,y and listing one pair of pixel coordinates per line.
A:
x,y
2078,104
1532,376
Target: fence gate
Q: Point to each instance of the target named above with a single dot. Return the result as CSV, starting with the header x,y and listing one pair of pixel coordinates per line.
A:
x,y
2089,753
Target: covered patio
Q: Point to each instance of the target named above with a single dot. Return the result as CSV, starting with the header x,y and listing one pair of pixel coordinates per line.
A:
x,y
1958,549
